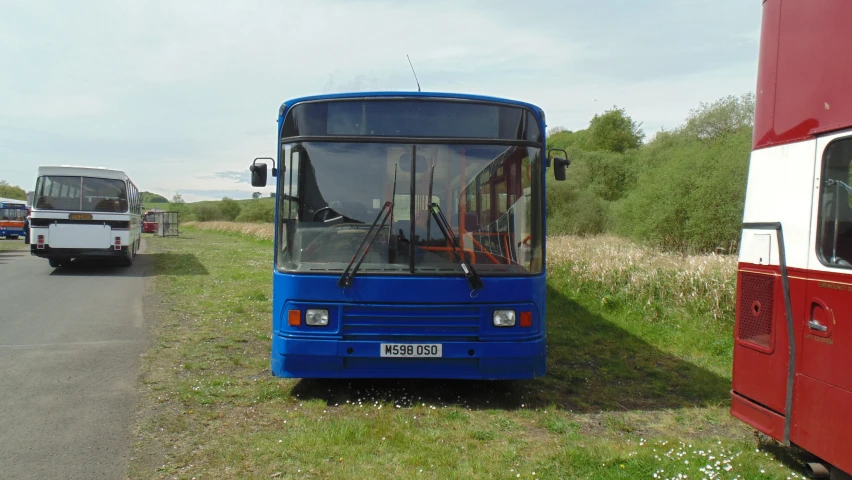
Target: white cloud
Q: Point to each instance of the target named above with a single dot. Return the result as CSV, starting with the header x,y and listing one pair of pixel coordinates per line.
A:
x,y
173,91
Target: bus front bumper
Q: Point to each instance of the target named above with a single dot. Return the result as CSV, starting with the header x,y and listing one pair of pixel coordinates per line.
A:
x,y
332,358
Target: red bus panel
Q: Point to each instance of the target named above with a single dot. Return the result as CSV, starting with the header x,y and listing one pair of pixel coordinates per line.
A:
x,y
804,71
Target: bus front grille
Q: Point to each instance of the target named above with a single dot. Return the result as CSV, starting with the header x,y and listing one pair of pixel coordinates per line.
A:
x,y
411,323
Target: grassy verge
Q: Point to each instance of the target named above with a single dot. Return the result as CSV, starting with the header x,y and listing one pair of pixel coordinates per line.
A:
x,y
659,284
620,400
7,244
683,304
260,231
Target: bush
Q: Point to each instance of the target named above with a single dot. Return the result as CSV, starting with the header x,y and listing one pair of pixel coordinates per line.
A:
x,y
691,195
230,209
257,211
206,212
572,206
580,213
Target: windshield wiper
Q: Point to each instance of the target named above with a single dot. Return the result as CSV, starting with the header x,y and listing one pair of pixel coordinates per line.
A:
x,y
346,278
444,226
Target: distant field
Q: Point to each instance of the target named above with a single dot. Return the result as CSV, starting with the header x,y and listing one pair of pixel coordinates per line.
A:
x,y
167,206
629,393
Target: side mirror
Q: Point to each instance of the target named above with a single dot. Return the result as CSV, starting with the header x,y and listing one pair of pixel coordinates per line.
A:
x,y
559,167
258,172
559,164
258,175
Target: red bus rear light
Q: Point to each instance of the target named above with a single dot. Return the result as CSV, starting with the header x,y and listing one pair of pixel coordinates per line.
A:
x,y
40,242
526,319
118,243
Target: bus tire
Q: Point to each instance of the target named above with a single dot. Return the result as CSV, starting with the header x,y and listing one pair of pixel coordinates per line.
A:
x,y
128,256
13,237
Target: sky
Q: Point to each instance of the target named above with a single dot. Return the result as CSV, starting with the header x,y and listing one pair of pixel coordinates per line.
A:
x,y
182,95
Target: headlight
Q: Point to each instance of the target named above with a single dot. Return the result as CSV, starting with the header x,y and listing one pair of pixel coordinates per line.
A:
x,y
316,317
504,318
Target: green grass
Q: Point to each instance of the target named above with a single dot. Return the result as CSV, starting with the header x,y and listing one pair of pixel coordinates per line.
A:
x,y
624,397
8,244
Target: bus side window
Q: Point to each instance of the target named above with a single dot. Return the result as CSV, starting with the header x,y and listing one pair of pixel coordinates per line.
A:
x,y
835,212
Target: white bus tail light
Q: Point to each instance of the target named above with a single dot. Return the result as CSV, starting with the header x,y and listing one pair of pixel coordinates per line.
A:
x,y
40,242
117,243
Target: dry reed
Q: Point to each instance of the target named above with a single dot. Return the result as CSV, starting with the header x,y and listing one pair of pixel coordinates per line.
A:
x,y
646,276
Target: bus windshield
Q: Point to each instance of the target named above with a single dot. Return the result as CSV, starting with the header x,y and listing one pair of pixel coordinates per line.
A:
x,y
87,194
13,213
331,193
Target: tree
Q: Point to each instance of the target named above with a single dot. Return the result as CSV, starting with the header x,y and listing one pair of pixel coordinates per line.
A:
x,y
271,194
690,195
229,208
612,174
613,131
565,139
725,116
11,191
256,195
178,205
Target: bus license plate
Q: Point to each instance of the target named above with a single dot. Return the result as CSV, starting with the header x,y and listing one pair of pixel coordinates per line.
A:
x,y
80,216
410,349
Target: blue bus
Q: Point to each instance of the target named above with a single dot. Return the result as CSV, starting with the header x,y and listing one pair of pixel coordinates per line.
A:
x,y
410,236
13,215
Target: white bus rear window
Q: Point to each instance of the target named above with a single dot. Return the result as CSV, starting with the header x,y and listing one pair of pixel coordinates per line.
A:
x,y
81,194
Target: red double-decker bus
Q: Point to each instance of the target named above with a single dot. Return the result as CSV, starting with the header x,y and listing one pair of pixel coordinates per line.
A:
x,y
792,372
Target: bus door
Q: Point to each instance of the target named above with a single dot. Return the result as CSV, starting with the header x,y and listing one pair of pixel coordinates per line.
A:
x,y
823,406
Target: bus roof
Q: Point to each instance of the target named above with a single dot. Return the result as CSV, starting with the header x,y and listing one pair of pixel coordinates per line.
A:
x,y
803,71
67,170
13,201
402,94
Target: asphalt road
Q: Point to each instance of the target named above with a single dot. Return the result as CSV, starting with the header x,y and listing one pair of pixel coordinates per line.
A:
x,y
70,346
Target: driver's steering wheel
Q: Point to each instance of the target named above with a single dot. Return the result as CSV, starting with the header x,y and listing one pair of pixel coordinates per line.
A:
x,y
325,218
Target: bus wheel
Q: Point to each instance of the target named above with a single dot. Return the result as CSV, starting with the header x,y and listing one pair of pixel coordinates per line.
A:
x,y
128,257
13,237
55,262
